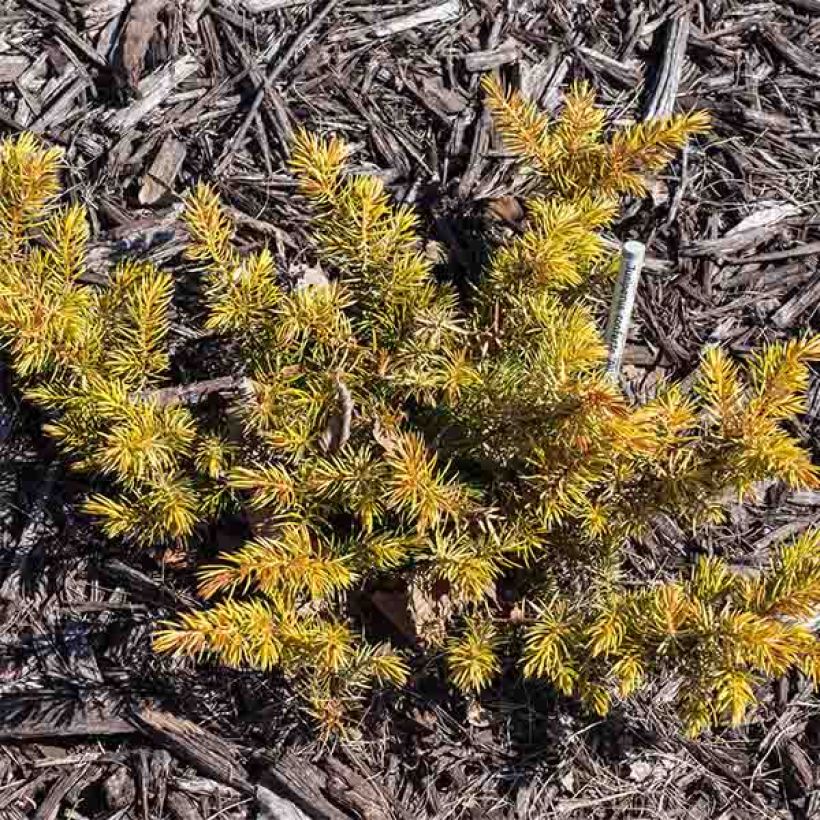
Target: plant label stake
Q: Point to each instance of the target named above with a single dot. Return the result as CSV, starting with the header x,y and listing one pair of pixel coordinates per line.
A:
x,y
623,300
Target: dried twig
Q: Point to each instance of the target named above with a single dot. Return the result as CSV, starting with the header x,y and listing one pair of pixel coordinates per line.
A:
x,y
275,72
196,391
807,249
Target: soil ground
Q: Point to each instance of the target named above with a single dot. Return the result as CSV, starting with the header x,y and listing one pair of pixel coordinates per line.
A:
x,y
150,96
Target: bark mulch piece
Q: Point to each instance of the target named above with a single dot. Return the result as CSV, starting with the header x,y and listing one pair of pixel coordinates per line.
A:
x,y
149,96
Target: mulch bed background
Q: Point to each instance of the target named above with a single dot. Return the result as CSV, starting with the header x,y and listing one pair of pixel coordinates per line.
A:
x,y
148,97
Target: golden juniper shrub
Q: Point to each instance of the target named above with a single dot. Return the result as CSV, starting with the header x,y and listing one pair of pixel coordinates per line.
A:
x,y
572,157
722,633
90,357
469,450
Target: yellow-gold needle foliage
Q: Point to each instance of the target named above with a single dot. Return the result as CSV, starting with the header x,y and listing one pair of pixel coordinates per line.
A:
x,y
388,430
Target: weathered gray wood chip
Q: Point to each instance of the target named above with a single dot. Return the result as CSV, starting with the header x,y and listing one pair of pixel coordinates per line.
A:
x,y
152,91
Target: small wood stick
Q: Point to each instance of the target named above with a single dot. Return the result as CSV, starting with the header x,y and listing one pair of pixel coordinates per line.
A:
x,y
196,391
623,300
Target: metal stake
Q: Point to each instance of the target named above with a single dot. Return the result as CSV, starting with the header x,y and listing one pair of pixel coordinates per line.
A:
x,y
623,300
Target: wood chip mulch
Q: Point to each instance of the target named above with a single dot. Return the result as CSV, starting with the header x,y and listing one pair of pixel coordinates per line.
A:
x,y
149,96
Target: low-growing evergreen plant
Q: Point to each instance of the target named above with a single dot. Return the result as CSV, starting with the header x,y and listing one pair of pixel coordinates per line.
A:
x,y
388,432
